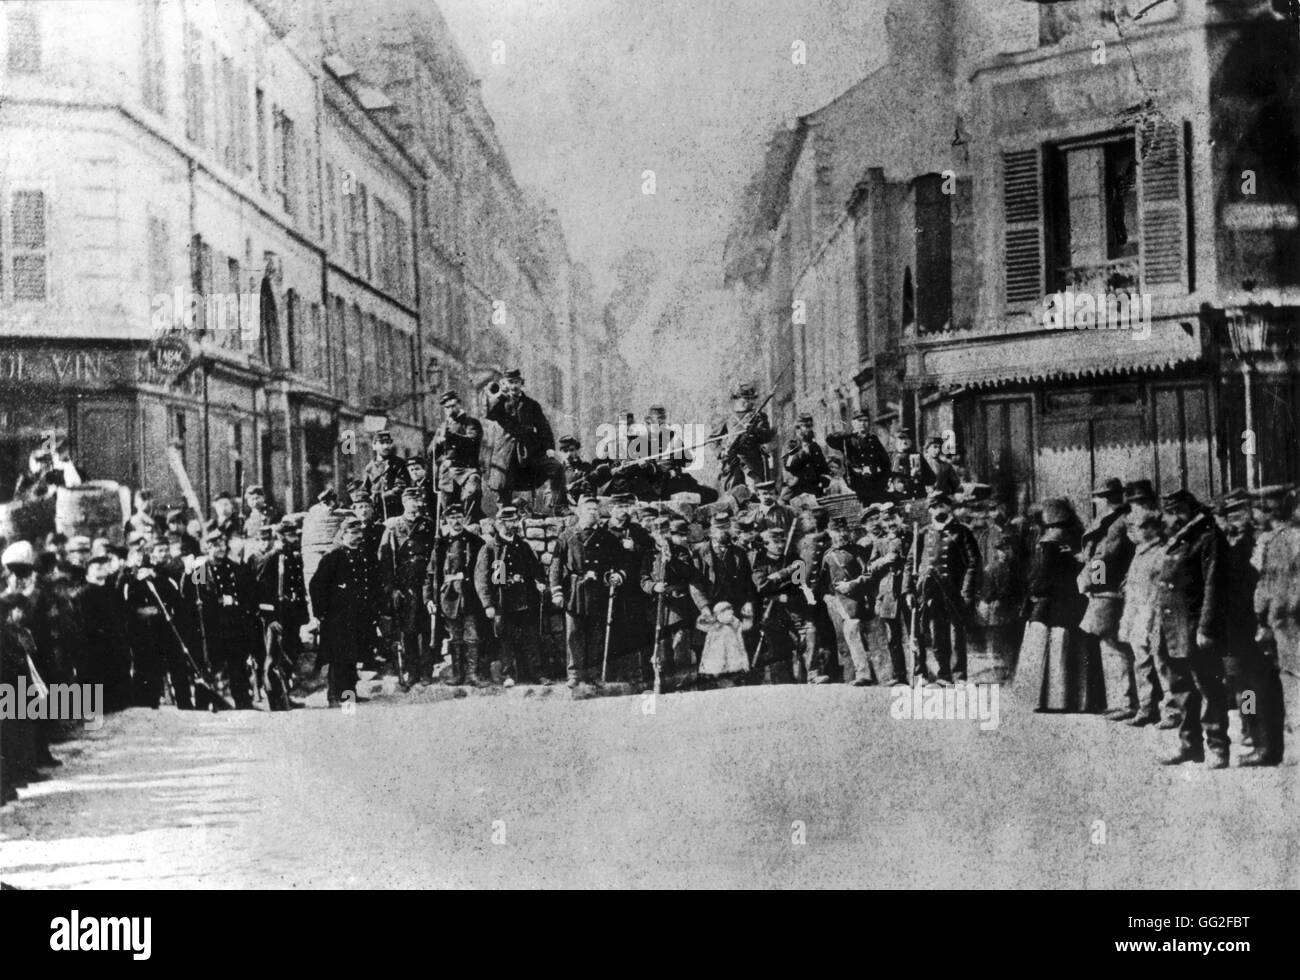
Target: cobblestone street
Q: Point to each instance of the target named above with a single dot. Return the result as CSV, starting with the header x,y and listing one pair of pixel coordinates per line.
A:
x,y
531,788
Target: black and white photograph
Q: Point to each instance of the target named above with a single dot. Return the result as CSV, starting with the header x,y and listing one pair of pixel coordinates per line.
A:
x,y
651,445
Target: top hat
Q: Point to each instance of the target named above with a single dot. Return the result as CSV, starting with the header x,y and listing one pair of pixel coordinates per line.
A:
x,y
1108,488
1139,491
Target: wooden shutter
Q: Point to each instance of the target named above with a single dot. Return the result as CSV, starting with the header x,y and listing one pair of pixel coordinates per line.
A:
x,y
1164,207
1023,223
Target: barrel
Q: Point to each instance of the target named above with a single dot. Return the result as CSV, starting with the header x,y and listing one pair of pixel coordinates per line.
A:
x,y
27,519
94,508
320,529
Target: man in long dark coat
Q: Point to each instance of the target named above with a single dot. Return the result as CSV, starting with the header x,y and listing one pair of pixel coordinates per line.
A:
x,y
522,450
344,594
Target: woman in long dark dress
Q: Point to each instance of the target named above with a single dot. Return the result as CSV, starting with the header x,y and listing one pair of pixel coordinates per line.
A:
x,y
1052,671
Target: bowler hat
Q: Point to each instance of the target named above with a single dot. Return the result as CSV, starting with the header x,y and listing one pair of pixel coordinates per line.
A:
x,y
1139,491
1182,497
1109,487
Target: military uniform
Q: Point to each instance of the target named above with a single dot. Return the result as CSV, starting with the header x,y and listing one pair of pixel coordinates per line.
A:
x,y
1191,603
806,468
455,452
344,593
282,609
785,633
404,552
221,594
519,452
744,461
630,634
866,464
383,481
585,476
583,557
506,576
942,577
885,570
821,658
458,603
846,566
680,603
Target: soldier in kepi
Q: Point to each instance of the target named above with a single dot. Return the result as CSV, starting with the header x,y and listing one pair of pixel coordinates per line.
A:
x,y
385,477
449,590
866,464
282,608
582,476
585,566
524,448
676,588
343,594
804,462
941,583
510,582
673,459
404,554
455,452
743,455
221,594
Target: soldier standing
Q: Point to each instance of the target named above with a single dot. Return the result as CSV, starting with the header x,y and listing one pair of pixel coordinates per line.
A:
x,y
585,566
522,452
777,585
745,459
885,569
631,628
845,589
941,583
817,634
1105,558
282,607
508,578
222,596
455,453
385,477
677,584
404,553
449,583
363,508
418,470
1277,597
805,464
1191,629
865,460
344,591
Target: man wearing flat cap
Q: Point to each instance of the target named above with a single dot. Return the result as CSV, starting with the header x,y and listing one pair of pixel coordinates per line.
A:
x,y
524,445
344,596
455,451
866,463
404,552
1105,555
1191,628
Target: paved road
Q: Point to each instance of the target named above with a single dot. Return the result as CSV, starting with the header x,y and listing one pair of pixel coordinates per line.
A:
x,y
755,787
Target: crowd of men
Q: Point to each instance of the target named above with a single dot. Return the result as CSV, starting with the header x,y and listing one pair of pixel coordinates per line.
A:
x,y
862,566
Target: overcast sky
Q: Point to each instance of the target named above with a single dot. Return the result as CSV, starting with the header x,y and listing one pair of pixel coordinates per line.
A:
x,y
594,92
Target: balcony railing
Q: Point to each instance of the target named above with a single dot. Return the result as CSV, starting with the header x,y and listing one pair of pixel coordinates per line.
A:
x,y
1114,275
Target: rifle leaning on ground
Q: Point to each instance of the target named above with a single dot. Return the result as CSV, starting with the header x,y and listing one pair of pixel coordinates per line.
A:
x,y
609,626
203,679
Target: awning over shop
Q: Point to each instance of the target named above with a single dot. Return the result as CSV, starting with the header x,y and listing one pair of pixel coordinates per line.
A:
x,y
987,361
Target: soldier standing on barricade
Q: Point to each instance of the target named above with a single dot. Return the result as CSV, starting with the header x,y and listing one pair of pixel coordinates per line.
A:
x,y
585,567
344,595
582,476
509,579
404,553
805,463
385,477
866,463
282,608
1192,628
449,588
455,453
221,594
522,453
744,457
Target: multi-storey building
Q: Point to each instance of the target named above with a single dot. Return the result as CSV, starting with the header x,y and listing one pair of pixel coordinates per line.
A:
x,y
1091,147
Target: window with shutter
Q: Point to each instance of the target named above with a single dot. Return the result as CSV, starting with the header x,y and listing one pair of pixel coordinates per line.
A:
x,y
1022,218
28,245
1164,207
